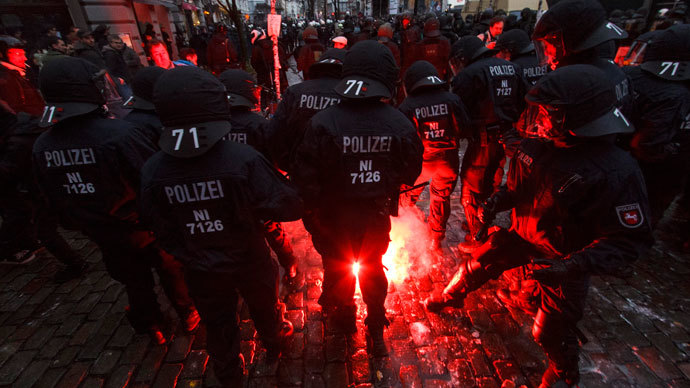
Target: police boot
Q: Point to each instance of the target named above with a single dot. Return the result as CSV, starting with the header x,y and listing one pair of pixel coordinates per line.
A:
x,y
454,294
155,327
469,246
375,328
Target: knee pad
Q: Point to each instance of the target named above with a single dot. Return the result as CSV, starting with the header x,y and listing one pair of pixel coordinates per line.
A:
x,y
547,331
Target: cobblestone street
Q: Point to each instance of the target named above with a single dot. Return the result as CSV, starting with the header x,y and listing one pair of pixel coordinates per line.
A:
x,y
75,334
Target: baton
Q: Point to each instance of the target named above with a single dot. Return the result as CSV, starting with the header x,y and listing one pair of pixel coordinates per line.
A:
x,y
481,233
414,187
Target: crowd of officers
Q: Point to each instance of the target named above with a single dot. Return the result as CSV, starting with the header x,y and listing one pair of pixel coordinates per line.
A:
x,y
193,184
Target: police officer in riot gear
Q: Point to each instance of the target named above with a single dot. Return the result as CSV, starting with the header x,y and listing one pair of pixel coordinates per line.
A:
x,y
27,222
661,115
207,200
440,119
410,36
385,37
434,48
300,103
515,46
446,21
579,208
492,89
349,167
88,167
571,32
250,128
143,113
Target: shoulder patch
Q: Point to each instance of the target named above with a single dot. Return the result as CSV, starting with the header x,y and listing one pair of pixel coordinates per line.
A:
x,y
524,158
630,216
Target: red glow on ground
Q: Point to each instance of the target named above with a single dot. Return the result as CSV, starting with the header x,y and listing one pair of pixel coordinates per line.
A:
x,y
407,256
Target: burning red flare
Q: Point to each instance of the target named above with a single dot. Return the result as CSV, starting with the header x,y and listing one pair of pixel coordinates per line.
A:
x,y
408,250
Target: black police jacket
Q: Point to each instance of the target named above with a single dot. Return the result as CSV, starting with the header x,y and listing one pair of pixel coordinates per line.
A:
x,y
436,51
360,151
531,69
16,175
88,167
148,122
300,103
248,128
208,211
661,117
493,91
587,203
440,119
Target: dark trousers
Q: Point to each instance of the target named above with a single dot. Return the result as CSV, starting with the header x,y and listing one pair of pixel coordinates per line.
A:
x,y
481,173
442,170
561,307
129,257
343,236
216,295
664,183
27,225
280,244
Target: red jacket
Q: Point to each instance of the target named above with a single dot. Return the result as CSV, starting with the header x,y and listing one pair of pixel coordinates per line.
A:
x,y
19,94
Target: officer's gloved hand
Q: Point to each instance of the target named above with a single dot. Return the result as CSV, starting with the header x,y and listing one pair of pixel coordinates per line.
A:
x,y
556,270
487,211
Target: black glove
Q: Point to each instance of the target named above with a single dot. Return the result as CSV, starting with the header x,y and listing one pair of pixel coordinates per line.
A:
x,y
557,271
487,211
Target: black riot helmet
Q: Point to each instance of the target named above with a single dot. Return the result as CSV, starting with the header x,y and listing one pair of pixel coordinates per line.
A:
x,y
573,101
330,64
422,75
193,107
243,90
515,42
446,22
71,87
369,71
467,50
668,54
142,88
571,27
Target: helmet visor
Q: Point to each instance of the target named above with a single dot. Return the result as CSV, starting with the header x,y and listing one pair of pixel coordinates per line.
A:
x,y
635,55
550,49
541,121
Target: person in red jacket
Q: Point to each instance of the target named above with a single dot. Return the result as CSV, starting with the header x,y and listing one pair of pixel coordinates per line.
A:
x,y
221,53
15,88
310,52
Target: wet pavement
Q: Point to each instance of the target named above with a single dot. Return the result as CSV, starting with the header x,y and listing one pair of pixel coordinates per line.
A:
x,y
75,334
